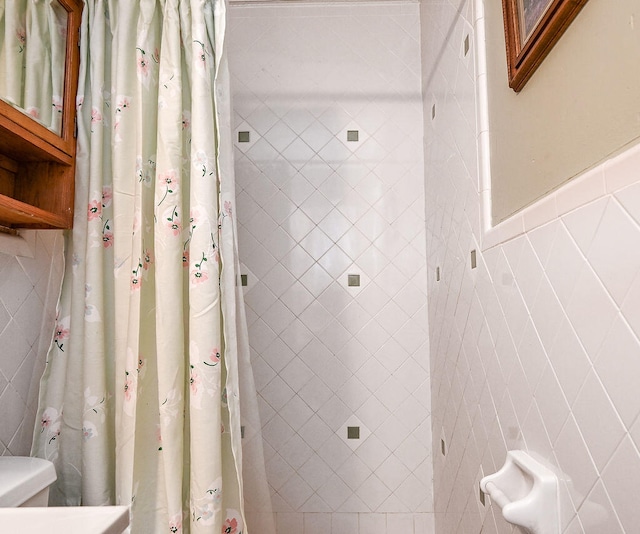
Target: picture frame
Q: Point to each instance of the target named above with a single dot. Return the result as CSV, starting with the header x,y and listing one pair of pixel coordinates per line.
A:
x,y
532,28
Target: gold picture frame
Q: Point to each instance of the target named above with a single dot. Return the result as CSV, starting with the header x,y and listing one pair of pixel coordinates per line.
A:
x,y
532,28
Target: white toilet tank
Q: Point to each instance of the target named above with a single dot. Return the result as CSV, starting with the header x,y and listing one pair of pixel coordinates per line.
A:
x,y
25,481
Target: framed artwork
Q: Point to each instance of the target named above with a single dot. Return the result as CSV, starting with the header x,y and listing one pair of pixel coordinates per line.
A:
x,y
531,29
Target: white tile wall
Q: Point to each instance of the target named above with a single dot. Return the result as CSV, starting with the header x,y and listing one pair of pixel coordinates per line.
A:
x,y
538,347
313,208
29,289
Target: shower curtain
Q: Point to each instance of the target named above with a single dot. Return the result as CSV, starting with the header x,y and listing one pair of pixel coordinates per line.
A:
x,y
139,402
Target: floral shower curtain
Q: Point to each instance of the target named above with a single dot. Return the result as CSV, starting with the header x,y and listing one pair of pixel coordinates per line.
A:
x,y
139,403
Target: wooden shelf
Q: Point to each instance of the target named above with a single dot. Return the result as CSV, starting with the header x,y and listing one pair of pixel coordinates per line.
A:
x,y
16,214
22,138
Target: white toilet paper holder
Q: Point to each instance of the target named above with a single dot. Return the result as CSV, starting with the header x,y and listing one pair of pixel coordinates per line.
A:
x,y
527,493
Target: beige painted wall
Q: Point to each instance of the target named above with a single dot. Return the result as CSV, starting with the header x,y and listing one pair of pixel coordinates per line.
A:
x,y
580,106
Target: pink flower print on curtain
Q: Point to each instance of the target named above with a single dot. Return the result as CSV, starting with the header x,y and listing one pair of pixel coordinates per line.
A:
x,y
233,523
214,358
62,333
107,196
199,274
94,210
21,35
172,221
107,235
143,64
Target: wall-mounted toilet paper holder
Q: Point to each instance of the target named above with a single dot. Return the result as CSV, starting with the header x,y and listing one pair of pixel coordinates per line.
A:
x,y
527,492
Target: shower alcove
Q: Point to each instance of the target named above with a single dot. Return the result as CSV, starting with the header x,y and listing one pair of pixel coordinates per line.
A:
x,y
329,170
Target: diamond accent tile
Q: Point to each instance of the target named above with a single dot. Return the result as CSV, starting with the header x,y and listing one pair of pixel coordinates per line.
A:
x,y
363,432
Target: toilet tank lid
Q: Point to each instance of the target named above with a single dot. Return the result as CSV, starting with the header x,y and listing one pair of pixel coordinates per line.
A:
x,y
22,477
